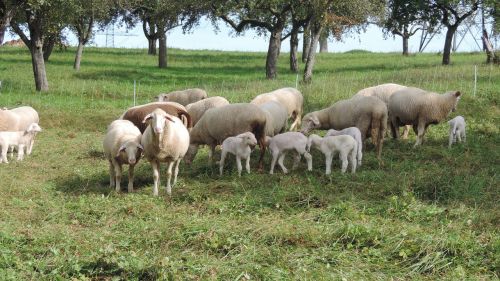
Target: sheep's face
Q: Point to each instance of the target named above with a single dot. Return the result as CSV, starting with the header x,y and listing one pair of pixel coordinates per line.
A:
x,y
132,151
309,123
33,128
249,139
157,120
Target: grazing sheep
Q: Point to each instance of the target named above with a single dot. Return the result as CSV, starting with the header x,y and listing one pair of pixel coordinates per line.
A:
x,y
353,132
166,139
183,97
290,98
19,139
413,106
344,144
219,123
280,144
241,146
18,119
197,109
122,146
368,114
276,117
457,130
136,114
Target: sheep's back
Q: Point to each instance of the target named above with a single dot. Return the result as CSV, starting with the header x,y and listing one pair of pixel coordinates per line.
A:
x,y
8,121
137,114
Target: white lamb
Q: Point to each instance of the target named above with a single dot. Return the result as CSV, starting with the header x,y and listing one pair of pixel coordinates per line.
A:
x,y
457,130
19,139
353,132
241,146
280,144
345,145
122,145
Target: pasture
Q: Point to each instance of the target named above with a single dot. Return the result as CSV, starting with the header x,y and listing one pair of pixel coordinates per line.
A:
x,y
428,213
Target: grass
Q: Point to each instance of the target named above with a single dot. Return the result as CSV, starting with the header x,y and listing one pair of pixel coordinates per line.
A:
x,y
429,213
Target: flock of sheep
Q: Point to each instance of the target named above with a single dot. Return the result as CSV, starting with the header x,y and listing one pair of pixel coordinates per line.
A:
x,y
173,127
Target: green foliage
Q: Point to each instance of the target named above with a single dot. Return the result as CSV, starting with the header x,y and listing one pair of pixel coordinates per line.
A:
x,y
428,213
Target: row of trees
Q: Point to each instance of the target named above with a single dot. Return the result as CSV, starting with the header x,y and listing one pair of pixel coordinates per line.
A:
x,y
39,23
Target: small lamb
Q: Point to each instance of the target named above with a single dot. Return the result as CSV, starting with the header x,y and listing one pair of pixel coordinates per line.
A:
x,y
240,147
19,139
353,132
280,144
345,145
457,130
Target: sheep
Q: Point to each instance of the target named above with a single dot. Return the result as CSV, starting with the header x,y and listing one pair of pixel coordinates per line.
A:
x,y
280,144
384,93
290,98
19,139
166,139
353,132
419,108
197,109
136,114
344,144
368,114
18,119
183,97
457,130
241,146
276,116
219,123
122,145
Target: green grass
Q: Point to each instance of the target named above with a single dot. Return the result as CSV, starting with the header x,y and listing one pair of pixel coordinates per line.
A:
x,y
429,213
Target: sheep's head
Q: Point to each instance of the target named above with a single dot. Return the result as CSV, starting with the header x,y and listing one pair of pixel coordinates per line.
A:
x,y
456,95
161,97
313,140
331,132
157,120
309,123
248,138
132,151
33,128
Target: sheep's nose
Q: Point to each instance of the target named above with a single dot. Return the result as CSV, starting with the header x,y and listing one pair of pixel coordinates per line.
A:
x,y
131,161
158,130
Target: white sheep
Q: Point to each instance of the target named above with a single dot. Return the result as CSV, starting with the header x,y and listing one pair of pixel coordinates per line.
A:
x,y
345,145
457,130
166,139
122,146
19,139
280,144
183,97
353,132
413,106
241,146
276,117
197,109
18,119
290,98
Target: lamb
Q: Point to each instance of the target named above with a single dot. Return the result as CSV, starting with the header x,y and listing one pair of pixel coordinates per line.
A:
x,y
344,144
122,145
413,106
219,123
18,119
280,144
290,98
183,97
276,117
368,114
197,109
19,139
136,114
241,146
166,139
353,132
457,130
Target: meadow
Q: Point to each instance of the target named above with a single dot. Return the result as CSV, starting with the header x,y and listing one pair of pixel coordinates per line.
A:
x,y
428,213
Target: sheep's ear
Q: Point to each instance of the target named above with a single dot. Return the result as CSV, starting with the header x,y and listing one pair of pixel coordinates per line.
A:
x,y
315,121
146,118
457,94
122,148
169,118
140,147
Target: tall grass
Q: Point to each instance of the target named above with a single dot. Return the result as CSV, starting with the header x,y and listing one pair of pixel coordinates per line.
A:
x,y
428,213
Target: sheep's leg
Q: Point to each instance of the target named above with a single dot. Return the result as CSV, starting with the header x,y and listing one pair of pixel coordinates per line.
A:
x,y
352,159
406,131
176,170
4,153
156,176
11,151
450,139
238,164
280,162
359,155
328,163
394,129
296,160
343,159
295,124
211,153
221,162
459,136
20,152
420,134
309,161
118,175
111,174
247,165
168,187
131,178
275,154
30,146
262,147
463,135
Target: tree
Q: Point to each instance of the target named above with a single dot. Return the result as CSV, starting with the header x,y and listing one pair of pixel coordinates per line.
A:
x,y
8,9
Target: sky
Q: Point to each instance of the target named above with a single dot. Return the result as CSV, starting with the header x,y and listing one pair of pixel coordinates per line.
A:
x,y
204,37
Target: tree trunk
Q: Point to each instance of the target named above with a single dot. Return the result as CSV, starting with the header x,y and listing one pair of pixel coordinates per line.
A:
x,y
405,45
162,50
294,44
323,45
48,46
447,44
2,33
308,71
78,57
152,47
4,22
37,59
306,44
273,53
